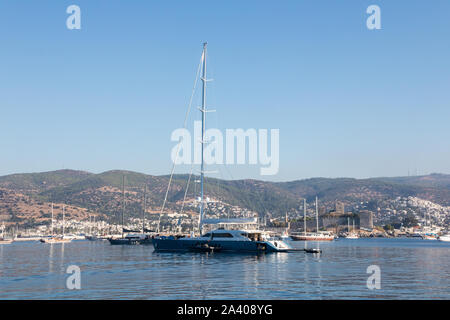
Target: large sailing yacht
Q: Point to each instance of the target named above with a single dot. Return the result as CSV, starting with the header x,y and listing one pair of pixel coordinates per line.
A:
x,y
220,239
312,236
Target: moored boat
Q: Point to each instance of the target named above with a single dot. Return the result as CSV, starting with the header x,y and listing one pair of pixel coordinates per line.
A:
x,y
429,236
2,238
131,239
59,238
351,234
221,239
313,236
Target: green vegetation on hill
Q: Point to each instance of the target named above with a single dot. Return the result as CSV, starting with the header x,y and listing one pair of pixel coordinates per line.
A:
x,y
102,192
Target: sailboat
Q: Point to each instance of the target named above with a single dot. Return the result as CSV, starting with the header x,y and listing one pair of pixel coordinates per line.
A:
x,y
220,239
313,236
91,236
353,234
285,234
58,238
2,238
428,232
131,238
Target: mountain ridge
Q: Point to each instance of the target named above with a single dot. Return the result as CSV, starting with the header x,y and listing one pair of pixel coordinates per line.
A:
x,y
101,193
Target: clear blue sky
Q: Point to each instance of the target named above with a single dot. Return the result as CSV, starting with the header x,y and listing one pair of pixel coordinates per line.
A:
x,y
348,101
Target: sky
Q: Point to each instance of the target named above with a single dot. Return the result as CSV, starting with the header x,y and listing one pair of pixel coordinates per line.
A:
x,y
348,101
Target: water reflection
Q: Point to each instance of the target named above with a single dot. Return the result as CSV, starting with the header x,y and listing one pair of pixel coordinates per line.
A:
x,y
410,269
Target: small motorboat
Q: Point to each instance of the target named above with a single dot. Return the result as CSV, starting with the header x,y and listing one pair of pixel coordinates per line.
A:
x,y
56,239
131,239
6,241
313,250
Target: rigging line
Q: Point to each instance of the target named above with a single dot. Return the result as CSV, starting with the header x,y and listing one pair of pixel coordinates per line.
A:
x,y
179,142
187,188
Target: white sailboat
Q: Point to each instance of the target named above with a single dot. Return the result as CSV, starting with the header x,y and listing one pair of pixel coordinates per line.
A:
x,y
313,236
2,238
352,234
91,236
58,238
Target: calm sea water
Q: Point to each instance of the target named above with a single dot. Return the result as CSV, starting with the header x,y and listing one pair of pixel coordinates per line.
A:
x,y
410,269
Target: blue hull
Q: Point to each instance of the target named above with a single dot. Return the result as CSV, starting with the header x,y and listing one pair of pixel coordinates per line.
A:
x,y
168,244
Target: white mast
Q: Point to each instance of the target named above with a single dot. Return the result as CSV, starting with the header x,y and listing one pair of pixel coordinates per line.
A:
x,y
144,208
304,215
203,111
52,219
63,220
317,217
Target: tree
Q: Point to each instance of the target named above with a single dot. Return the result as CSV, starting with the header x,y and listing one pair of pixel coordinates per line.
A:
x,y
410,221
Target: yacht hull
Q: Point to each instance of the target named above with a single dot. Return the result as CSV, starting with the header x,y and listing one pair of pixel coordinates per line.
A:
x,y
53,240
166,244
312,238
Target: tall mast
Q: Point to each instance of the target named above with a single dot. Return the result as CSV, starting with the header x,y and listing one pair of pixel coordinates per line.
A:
x,y
304,215
123,200
317,217
52,219
145,206
63,219
203,111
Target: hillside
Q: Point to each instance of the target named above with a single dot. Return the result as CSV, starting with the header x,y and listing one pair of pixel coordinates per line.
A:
x,y
102,193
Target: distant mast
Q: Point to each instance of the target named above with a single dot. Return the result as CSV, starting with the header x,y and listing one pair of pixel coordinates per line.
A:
x,y
304,215
317,217
123,200
145,206
52,219
63,220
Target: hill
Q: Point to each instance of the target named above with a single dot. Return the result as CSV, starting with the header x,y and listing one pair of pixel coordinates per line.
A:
x,y
102,193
